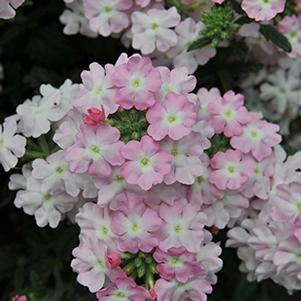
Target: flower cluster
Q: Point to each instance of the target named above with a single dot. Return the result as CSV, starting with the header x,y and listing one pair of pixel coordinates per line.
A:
x,y
8,7
150,169
269,241
166,32
278,88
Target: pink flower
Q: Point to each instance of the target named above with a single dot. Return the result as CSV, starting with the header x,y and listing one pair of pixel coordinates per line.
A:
x,y
228,115
107,16
96,150
91,264
65,135
96,90
290,26
177,263
112,186
202,191
173,117
258,137
114,259
137,82
186,161
151,30
287,258
227,210
183,226
260,184
195,290
19,298
94,116
204,98
230,170
176,80
136,226
263,10
286,204
122,288
146,164
95,221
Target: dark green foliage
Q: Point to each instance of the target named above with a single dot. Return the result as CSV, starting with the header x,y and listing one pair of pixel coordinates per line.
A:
x,y
271,34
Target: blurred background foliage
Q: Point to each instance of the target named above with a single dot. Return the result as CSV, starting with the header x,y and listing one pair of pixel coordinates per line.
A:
x,y
36,262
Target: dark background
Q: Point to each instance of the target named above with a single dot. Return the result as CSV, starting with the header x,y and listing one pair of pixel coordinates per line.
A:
x,y
34,261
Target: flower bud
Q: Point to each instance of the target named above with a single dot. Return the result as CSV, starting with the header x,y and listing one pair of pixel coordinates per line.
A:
x,y
114,259
94,116
153,294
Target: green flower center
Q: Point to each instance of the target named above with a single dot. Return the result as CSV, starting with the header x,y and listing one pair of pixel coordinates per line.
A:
x,y
145,161
59,170
154,25
177,228
200,180
104,231
108,9
232,169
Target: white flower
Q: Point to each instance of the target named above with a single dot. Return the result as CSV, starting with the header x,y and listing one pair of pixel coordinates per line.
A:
x,y
47,208
188,31
65,135
36,115
107,16
54,171
74,19
12,146
151,30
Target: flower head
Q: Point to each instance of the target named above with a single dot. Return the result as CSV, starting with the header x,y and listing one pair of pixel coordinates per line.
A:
x,y
263,10
172,117
230,170
136,226
228,114
96,150
12,146
151,30
183,226
146,164
137,82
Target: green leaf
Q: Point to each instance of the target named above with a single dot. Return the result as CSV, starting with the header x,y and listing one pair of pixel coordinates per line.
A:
x,y
271,34
200,43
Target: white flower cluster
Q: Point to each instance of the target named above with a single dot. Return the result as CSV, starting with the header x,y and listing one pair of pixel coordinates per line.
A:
x,y
276,92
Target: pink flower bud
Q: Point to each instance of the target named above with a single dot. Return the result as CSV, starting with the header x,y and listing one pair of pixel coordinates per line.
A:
x,y
114,259
19,298
214,230
94,116
153,294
